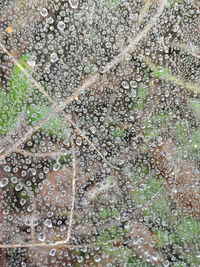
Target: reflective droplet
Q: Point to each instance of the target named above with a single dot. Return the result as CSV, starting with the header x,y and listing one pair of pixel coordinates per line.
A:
x,y
48,223
54,57
61,25
44,12
74,3
41,236
52,252
125,85
22,201
97,258
18,187
56,166
79,141
3,182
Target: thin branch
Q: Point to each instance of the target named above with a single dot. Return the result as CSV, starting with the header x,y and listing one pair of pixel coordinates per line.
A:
x,y
144,11
90,81
42,154
57,244
73,192
135,41
172,78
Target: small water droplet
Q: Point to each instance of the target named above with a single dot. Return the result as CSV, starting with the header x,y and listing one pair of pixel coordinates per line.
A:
x,y
52,252
93,129
54,57
44,12
74,3
56,166
4,182
42,237
48,223
22,201
97,258
79,141
18,187
61,25
125,85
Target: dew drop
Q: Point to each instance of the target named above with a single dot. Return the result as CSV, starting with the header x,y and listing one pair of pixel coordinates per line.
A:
x,y
54,57
74,3
52,252
97,258
44,12
18,187
42,237
4,182
125,85
79,141
56,166
22,201
61,25
48,223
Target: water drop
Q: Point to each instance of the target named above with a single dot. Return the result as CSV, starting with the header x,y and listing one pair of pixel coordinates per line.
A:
x,y
48,223
18,187
125,85
52,252
42,237
79,141
44,12
74,3
97,258
4,182
56,166
61,25
22,201
54,57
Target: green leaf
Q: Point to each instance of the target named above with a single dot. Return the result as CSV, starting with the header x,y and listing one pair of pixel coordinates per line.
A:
x,y
161,73
194,104
13,102
188,231
159,209
164,238
118,132
147,191
142,93
20,85
54,126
